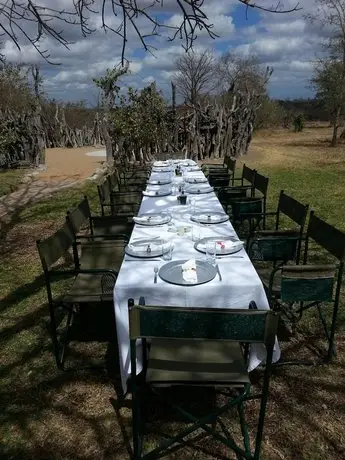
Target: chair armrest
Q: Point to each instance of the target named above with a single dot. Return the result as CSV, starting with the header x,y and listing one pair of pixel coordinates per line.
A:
x,y
81,271
264,233
243,186
309,268
105,219
118,236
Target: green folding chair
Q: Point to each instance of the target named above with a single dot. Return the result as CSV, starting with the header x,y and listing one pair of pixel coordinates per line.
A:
x,y
288,207
126,204
228,195
312,286
199,347
87,286
84,225
246,179
105,195
246,215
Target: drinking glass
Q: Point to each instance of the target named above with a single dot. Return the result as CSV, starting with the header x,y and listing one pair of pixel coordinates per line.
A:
x,y
167,250
180,230
196,232
211,251
192,205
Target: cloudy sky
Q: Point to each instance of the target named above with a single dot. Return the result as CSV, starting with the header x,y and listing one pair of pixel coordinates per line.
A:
x,y
286,42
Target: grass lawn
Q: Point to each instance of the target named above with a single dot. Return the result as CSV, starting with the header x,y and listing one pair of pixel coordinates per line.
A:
x,y
9,180
49,414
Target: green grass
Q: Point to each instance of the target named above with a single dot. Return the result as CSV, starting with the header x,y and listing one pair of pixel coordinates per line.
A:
x,y
10,180
49,414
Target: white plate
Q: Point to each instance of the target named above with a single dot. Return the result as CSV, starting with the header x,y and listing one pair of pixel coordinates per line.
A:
x,y
228,245
156,193
152,219
172,272
145,248
199,189
210,217
159,181
161,169
196,180
161,164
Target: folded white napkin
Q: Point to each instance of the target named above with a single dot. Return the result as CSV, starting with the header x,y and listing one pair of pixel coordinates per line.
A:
x,y
228,245
189,271
224,246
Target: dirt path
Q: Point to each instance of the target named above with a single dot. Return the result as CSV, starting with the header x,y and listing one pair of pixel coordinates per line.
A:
x,y
70,164
65,168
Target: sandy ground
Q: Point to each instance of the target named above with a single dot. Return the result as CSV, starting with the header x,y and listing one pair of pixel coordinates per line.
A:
x,y
65,168
70,164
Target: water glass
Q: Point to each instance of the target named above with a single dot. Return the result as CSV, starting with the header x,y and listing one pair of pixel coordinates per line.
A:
x,y
192,205
180,230
167,250
211,252
195,232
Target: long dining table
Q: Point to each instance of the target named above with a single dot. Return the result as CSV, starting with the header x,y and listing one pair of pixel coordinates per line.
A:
x,y
240,283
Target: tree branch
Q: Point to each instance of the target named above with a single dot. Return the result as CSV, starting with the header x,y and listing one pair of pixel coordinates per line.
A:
x,y
15,14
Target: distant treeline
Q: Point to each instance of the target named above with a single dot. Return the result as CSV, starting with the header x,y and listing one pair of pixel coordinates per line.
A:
x,y
312,109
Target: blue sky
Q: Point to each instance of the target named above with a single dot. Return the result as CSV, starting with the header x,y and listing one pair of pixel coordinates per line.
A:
x,y
286,42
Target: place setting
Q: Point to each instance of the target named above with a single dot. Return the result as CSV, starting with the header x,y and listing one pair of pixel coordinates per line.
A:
x,y
152,219
220,246
154,191
209,217
200,188
191,272
166,181
196,179
193,168
161,164
161,169
149,249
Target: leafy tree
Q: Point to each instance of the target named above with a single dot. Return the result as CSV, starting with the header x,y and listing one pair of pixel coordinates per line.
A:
x,y
110,91
298,123
139,122
329,81
270,114
15,91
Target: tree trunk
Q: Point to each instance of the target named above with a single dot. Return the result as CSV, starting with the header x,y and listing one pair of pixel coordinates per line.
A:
x,y
335,128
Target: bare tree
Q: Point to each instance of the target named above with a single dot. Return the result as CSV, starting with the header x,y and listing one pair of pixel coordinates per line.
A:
x,y
195,75
18,17
329,71
244,72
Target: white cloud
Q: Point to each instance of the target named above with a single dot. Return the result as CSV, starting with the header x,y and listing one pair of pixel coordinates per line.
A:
x,y
149,79
286,42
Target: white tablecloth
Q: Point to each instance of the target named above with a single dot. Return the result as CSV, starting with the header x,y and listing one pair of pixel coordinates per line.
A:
x,y
239,286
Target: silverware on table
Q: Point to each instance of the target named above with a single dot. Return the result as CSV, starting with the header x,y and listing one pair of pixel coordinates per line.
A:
x,y
155,269
219,274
